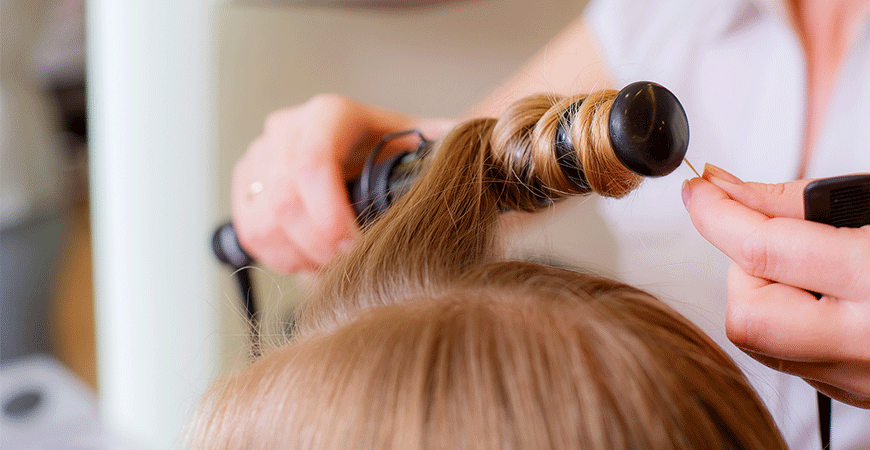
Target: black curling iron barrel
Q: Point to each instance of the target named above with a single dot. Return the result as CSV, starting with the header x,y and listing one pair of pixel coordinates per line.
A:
x,y
647,127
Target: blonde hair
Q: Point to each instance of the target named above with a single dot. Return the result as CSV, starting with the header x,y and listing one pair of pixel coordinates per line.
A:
x,y
420,337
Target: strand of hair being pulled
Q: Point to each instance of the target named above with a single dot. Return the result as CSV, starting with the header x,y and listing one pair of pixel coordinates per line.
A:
x,y
444,224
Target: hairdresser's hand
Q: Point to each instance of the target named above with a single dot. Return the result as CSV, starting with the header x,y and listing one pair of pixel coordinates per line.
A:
x,y
777,258
290,204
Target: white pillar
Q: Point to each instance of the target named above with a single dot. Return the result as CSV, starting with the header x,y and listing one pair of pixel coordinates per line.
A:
x,y
151,81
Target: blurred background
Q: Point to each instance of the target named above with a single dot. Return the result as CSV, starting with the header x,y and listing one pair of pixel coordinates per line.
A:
x,y
120,125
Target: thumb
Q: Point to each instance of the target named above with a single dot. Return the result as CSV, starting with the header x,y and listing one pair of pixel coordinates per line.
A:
x,y
772,200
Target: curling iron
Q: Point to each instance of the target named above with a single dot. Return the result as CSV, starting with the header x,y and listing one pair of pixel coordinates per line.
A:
x,y
647,127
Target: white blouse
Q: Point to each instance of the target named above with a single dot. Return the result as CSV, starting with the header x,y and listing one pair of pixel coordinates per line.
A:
x,y
739,70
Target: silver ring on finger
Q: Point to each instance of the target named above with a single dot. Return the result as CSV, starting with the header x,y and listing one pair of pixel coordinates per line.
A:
x,y
255,188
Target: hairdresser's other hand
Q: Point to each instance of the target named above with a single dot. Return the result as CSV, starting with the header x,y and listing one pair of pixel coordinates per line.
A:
x,y
290,204
779,257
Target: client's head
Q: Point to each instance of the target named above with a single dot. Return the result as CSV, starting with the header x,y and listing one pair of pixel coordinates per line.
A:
x,y
515,356
421,338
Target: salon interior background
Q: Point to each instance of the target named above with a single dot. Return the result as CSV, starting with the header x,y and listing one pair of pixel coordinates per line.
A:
x,y
140,312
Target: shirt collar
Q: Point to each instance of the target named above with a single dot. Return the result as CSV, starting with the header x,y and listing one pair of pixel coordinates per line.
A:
x,y
776,7
741,14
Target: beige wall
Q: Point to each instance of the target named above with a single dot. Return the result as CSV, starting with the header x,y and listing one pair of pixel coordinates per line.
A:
x,y
435,60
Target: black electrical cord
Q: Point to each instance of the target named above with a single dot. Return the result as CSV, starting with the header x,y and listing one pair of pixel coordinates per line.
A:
x,y
824,403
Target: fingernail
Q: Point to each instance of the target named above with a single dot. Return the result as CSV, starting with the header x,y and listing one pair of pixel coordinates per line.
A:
x,y
686,193
717,175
